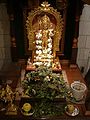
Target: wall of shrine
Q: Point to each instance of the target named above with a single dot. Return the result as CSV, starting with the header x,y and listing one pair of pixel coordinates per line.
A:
x,y
83,58
5,55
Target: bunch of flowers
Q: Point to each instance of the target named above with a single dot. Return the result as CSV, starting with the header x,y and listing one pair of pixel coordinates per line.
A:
x,y
43,83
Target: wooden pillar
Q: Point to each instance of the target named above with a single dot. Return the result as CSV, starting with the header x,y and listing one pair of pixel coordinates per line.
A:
x,y
14,54
76,34
74,44
10,11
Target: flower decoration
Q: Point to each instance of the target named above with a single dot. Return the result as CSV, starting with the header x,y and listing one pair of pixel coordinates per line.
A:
x,y
43,83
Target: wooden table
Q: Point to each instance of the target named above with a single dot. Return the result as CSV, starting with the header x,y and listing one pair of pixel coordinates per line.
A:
x,y
72,74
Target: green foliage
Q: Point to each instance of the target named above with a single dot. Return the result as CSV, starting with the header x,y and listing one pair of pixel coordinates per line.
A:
x,y
43,83
48,108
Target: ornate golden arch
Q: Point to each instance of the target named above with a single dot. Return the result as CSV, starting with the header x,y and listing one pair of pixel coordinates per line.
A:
x,y
37,14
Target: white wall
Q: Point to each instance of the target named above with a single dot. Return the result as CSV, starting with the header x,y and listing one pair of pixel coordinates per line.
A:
x,y
4,35
83,58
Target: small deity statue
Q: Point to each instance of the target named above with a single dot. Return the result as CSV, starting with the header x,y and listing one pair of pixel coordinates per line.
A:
x,y
29,61
2,93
